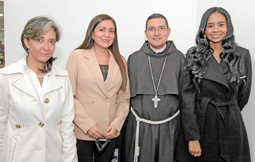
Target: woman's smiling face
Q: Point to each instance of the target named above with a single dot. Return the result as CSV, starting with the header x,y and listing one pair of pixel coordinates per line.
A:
x,y
104,34
216,27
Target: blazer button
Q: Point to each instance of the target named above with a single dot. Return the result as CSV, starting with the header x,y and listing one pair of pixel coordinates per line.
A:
x,y
18,125
46,100
41,124
60,122
107,100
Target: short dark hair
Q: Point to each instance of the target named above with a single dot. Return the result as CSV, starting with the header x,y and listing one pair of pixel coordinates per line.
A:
x,y
155,16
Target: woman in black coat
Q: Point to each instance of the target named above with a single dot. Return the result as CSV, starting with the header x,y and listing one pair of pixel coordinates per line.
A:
x,y
221,72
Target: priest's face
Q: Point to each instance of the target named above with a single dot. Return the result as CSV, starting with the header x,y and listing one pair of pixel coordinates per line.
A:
x,y
157,32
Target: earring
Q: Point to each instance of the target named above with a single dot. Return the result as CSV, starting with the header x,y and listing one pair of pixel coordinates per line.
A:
x,y
92,40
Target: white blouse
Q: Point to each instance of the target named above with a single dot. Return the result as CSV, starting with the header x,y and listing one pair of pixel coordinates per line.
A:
x,y
40,89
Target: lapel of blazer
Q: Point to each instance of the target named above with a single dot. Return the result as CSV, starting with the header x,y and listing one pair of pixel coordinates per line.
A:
x,y
24,84
53,83
93,66
215,72
112,71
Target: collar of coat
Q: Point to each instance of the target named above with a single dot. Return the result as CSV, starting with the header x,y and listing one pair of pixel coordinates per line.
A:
x,y
215,72
139,71
18,68
170,48
22,81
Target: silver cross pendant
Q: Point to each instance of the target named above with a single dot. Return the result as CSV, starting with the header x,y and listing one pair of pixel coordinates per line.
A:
x,y
156,100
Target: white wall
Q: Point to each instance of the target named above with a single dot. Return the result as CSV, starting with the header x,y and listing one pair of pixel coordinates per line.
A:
x,y
183,15
74,17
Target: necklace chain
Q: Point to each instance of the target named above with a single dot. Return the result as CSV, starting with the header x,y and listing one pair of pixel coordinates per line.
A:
x,y
40,76
156,99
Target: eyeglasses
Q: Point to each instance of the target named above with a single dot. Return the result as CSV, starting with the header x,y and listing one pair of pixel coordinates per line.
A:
x,y
160,29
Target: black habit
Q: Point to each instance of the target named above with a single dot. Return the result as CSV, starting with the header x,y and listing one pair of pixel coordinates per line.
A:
x,y
218,108
157,142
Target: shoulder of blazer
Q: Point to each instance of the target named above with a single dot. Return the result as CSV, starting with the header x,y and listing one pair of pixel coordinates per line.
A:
x,y
245,53
14,68
241,49
87,53
59,71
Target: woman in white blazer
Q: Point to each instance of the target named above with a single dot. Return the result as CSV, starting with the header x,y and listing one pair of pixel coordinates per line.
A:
x,y
36,101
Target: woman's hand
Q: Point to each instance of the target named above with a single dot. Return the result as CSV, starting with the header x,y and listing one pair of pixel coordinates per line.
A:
x,y
95,132
195,148
110,132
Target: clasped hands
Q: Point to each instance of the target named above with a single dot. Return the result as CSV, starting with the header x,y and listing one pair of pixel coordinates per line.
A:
x,y
195,148
97,132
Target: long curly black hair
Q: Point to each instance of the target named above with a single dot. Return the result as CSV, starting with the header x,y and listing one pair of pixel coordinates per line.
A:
x,y
197,56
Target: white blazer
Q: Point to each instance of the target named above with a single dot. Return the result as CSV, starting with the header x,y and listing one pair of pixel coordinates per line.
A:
x,y
31,131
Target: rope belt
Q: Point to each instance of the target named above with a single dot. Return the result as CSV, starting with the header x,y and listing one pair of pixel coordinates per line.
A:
x,y
138,120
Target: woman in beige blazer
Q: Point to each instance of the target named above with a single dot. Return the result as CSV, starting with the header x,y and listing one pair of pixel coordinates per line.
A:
x,y
101,92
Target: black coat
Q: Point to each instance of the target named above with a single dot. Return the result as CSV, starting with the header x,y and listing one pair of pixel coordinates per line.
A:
x,y
218,108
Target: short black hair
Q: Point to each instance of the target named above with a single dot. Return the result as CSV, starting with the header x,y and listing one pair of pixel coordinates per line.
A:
x,y
155,16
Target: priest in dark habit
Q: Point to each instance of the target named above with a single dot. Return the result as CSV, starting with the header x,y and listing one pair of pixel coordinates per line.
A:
x,y
160,92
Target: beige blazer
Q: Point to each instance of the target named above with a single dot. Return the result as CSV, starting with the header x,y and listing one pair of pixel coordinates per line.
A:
x,y
96,101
